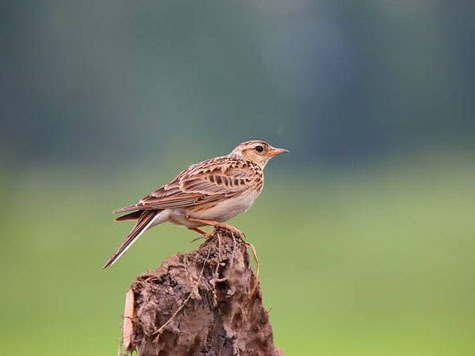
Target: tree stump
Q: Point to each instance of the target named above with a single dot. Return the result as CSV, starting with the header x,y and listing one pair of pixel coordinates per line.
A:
x,y
206,302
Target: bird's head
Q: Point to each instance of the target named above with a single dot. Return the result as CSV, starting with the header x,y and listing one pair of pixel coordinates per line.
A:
x,y
257,151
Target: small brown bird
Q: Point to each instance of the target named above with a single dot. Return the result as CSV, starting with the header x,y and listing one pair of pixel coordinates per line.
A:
x,y
206,193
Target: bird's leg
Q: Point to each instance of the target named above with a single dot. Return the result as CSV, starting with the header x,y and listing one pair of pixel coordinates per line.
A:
x,y
217,225
199,231
204,234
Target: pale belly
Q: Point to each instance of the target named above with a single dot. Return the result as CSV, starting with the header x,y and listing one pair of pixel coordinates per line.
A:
x,y
221,212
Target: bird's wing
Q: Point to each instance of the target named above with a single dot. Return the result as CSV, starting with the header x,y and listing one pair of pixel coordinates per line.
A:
x,y
202,183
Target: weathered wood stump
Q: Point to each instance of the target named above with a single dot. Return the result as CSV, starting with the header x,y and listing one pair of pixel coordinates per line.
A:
x,y
206,302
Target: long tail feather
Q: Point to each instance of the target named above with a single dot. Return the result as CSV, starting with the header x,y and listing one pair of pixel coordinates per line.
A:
x,y
126,208
143,223
130,216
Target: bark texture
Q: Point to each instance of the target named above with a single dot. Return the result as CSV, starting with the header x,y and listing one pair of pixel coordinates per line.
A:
x,y
206,302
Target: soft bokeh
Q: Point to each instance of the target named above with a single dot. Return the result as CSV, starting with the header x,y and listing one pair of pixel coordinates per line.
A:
x,y
365,231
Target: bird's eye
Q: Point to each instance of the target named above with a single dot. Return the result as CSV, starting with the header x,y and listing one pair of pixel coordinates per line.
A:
x,y
259,149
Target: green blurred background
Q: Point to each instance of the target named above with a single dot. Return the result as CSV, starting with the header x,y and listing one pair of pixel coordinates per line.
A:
x,y
365,231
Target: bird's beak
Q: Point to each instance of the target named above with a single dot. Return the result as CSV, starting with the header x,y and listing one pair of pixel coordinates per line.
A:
x,y
277,151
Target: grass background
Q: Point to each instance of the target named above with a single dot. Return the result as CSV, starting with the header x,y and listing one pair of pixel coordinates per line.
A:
x,y
364,261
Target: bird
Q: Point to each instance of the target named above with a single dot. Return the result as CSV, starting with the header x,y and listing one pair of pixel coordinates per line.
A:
x,y
206,193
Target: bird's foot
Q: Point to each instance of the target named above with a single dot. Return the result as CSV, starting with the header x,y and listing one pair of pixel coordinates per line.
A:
x,y
218,225
199,231
204,235
234,231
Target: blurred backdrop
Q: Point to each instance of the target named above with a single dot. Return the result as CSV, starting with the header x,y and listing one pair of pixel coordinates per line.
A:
x,y
368,223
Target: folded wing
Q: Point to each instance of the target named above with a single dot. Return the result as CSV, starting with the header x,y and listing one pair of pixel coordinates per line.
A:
x,y
202,183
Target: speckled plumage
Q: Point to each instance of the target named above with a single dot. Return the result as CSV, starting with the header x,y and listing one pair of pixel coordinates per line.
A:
x,y
204,184
212,191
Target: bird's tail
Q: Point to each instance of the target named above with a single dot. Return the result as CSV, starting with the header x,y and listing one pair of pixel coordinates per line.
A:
x,y
135,215
145,220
